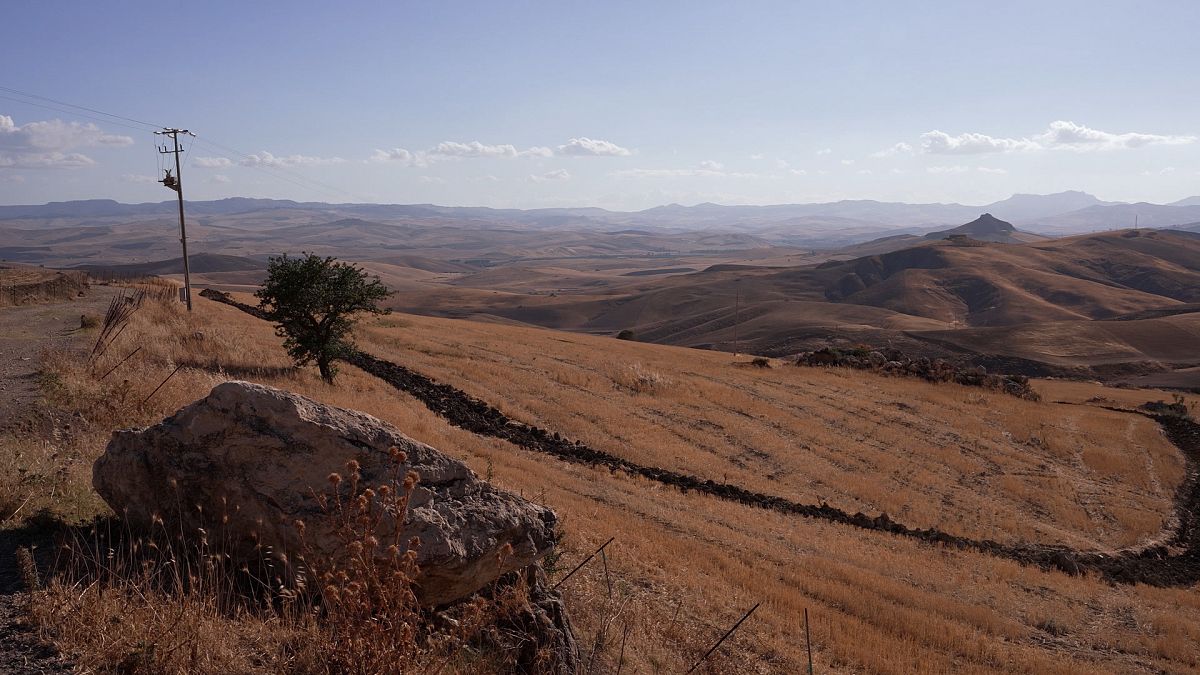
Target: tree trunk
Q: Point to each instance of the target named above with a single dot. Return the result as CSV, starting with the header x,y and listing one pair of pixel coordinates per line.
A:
x,y
326,371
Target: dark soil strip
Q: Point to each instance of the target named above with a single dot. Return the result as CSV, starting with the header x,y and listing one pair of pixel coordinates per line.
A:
x,y
1176,564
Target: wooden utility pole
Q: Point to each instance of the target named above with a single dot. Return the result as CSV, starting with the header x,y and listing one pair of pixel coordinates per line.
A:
x,y
737,311
176,183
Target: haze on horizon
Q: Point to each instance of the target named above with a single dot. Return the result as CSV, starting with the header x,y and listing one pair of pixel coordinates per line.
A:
x,y
618,105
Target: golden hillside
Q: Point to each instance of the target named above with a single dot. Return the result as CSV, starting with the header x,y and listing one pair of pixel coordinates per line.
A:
x,y
686,566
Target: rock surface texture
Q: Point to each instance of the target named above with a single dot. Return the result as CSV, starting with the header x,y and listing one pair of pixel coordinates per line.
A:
x,y
248,461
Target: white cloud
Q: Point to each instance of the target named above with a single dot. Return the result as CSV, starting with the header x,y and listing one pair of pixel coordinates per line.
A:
x,y
678,173
940,143
454,149
987,169
824,151
45,160
799,172
212,162
781,164
1064,134
711,165
14,178
958,168
432,180
757,156
1165,171
1060,135
589,147
221,179
847,162
45,144
556,175
449,150
265,158
865,172
394,155
897,149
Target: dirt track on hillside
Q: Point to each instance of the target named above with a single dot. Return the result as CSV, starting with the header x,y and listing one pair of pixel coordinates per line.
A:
x,y
1176,563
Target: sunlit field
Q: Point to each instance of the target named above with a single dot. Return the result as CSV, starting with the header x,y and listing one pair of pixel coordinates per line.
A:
x,y
684,567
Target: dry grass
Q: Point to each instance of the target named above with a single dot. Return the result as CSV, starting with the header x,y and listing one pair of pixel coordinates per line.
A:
x,y
975,464
24,285
684,567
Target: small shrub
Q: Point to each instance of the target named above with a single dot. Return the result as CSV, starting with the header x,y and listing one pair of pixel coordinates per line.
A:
x,y
88,321
640,380
625,335
761,362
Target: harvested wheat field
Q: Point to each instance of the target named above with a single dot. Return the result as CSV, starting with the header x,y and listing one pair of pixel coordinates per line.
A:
x,y
685,566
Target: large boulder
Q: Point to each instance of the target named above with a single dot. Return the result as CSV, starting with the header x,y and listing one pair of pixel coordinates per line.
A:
x,y
248,461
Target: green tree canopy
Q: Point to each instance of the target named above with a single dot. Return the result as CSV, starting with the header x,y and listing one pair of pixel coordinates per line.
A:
x,y
314,302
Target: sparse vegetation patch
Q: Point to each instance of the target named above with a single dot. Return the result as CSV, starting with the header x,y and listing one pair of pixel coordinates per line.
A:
x,y
894,362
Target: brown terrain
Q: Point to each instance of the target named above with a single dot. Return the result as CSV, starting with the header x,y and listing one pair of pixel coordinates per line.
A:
x,y
925,527
1081,469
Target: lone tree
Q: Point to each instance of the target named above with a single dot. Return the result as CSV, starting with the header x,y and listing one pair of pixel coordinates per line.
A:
x,y
314,302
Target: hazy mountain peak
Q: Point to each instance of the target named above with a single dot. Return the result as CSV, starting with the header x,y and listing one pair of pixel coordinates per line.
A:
x,y
986,224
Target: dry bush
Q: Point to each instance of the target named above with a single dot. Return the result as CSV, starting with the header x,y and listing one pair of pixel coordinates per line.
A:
x,y
174,602
639,379
28,285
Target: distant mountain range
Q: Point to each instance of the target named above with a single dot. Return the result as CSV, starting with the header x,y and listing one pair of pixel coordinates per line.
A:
x,y
817,224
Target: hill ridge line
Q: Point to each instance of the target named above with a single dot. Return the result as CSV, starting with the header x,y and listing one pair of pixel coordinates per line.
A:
x,y
1152,565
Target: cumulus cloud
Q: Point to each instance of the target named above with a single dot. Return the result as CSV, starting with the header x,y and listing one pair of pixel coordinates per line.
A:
x,y
798,172
711,165
1064,134
454,149
46,144
941,143
679,173
212,162
758,156
824,151
394,155
959,168
457,150
590,147
1060,135
847,162
267,159
901,148
556,175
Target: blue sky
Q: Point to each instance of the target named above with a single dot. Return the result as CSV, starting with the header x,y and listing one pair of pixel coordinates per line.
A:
x,y
621,105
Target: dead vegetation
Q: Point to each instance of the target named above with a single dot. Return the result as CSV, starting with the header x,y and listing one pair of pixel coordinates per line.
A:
x,y
685,566
30,285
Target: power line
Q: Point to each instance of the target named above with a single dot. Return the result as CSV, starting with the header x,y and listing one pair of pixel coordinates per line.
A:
x,y
276,171
73,112
80,107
